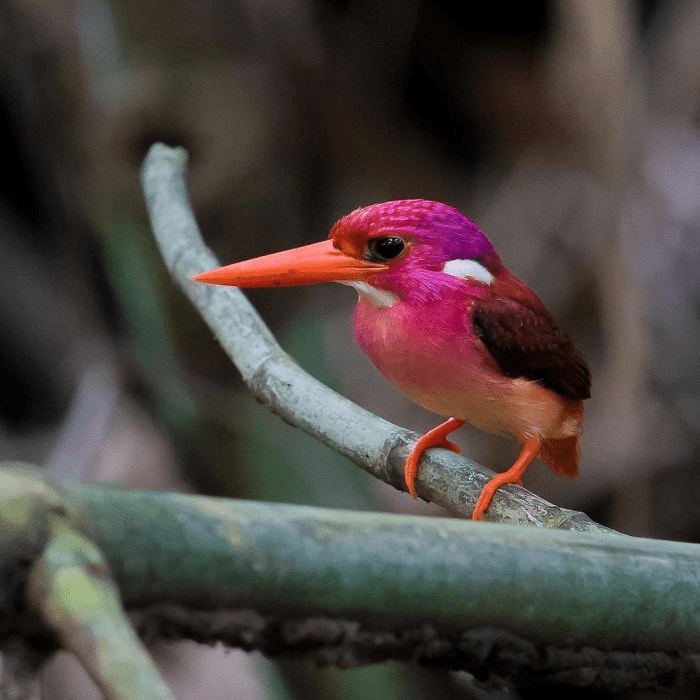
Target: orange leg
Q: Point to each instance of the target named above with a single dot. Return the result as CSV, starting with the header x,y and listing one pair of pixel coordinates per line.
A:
x,y
513,475
437,437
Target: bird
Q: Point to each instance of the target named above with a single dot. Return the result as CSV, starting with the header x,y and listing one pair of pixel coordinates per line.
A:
x,y
443,319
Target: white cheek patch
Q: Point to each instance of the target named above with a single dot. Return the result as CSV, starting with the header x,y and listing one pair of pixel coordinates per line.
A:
x,y
468,268
377,297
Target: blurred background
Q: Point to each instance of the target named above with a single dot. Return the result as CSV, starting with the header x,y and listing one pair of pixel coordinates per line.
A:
x,y
568,130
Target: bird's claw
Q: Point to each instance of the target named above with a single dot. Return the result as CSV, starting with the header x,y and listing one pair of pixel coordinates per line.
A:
x,y
437,437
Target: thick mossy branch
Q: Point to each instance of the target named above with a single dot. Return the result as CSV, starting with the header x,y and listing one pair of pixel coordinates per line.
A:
x,y
276,380
395,571
349,588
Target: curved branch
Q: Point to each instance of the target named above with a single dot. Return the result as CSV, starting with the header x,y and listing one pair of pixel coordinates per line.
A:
x,y
376,445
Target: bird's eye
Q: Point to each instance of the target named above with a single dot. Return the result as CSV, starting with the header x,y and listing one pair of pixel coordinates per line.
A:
x,y
383,249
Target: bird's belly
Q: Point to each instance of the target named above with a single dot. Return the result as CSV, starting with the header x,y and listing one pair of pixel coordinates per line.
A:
x,y
517,407
449,372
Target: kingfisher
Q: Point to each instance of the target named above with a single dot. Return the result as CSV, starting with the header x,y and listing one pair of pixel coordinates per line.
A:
x,y
443,320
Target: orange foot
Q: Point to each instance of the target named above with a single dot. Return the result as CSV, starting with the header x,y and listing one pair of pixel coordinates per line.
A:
x,y
512,476
437,437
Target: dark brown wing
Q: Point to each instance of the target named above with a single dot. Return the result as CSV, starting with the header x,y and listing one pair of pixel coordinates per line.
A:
x,y
526,342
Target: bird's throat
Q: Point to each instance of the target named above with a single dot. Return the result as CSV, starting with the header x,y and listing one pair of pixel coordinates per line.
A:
x,y
380,298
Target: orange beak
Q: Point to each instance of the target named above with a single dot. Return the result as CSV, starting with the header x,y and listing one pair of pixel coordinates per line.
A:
x,y
318,262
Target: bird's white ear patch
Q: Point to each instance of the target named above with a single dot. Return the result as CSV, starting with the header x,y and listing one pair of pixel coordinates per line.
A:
x,y
468,268
380,298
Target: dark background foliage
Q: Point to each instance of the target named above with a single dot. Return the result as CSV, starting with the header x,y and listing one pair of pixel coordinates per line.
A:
x,y
568,130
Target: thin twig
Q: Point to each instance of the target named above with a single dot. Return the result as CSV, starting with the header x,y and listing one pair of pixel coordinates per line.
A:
x,y
372,443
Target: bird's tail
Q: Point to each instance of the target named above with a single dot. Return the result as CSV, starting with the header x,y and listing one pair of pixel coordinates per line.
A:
x,y
562,455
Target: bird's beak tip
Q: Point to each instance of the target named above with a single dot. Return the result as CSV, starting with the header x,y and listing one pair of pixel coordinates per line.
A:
x,y
208,277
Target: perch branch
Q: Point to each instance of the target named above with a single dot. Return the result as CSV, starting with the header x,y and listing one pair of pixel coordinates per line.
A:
x,y
379,447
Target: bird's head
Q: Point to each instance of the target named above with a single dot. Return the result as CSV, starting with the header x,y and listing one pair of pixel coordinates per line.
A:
x,y
407,248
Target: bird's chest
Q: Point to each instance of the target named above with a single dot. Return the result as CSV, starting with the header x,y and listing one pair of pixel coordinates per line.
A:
x,y
430,352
